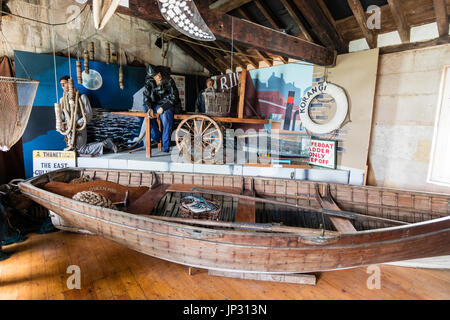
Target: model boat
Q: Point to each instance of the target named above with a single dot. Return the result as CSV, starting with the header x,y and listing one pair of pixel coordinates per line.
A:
x,y
265,225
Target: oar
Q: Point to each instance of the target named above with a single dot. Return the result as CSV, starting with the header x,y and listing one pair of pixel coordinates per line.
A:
x,y
342,214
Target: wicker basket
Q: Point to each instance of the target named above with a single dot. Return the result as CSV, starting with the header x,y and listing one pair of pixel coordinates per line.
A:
x,y
208,215
217,103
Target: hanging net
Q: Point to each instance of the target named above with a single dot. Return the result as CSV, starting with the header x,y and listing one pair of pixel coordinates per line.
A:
x,y
16,100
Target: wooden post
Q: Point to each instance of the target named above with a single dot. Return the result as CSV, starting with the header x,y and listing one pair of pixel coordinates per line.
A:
x,y
242,85
159,128
148,133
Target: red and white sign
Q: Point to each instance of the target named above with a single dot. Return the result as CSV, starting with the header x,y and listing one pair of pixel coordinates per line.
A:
x,y
323,153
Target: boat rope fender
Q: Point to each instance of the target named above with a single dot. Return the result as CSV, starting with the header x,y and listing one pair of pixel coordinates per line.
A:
x,y
336,122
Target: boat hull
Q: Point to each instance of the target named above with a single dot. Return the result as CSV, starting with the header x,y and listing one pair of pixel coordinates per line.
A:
x,y
250,251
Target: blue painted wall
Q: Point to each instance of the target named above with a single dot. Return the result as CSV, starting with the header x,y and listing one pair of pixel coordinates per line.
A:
x,y
41,133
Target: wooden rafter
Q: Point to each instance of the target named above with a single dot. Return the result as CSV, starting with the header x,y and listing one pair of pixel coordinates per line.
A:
x,y
218,58
228,5
416,16
440,9
183,46
243,55
290,9
199,50
238,60
402,25
245,33
267,14
361,17
321,25
275,25
264,57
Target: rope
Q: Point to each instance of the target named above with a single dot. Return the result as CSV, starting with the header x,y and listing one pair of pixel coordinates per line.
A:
x,y
94,199
54,64
70,114
44,22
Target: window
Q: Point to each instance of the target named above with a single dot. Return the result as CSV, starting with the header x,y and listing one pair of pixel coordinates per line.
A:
x,y
439,169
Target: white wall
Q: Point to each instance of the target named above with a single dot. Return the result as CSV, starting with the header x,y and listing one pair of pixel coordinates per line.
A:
x,y
405,107
135,36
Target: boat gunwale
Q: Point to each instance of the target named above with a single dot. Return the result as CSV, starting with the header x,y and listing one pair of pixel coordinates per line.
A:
x,y
29,182
314,242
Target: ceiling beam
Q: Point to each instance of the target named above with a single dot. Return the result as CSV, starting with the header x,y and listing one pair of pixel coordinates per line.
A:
x,y
275,25
245,33
402,25
440,9
268,15
227,5
238,58
262,56
290,9
208,58
218,62
321,25
416,16
415,45
361,18
187,49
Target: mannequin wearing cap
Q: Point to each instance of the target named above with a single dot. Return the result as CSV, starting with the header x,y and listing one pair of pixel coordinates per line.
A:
x,y
161,96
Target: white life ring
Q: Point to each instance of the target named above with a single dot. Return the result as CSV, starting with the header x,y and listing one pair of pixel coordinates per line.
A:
x,y
341,112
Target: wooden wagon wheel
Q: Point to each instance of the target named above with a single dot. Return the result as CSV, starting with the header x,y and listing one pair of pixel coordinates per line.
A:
x,y
199,138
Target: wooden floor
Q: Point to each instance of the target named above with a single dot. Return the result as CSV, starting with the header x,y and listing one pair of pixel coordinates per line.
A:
x,y
37,270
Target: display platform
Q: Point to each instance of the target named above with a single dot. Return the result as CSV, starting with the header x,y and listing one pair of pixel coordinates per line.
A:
x,y
164,162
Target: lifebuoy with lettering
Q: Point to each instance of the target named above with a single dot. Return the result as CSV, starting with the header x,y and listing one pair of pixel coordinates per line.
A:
x,y
341,108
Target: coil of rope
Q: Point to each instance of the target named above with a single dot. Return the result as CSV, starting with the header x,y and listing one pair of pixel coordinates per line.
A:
x,y
68,125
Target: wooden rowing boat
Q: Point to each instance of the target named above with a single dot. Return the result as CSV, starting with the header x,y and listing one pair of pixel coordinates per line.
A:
x,y
316,230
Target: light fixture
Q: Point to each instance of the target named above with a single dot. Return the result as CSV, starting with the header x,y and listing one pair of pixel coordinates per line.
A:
x,y
185,17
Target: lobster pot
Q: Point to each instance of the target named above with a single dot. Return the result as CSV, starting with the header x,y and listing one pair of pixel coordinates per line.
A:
x,y
16,100
207,215
217,103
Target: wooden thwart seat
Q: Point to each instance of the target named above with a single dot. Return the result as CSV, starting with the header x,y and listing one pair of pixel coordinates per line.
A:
x,y
327,202
246,209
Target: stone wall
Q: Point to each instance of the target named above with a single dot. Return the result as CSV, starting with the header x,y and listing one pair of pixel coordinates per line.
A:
x,y
135,36
405,108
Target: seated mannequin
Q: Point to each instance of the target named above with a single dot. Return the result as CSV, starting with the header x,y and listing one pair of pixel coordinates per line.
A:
x,y
200,102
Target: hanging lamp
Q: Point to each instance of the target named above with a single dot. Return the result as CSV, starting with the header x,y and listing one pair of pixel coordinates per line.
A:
x,y
185,17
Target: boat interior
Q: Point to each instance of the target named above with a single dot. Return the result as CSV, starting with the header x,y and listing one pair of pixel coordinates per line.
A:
x,y
368,203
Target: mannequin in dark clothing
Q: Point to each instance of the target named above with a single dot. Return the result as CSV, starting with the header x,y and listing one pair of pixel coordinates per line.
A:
x,y
161,96
200,102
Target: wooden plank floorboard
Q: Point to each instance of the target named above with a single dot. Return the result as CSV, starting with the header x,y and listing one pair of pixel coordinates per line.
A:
x,y
37,270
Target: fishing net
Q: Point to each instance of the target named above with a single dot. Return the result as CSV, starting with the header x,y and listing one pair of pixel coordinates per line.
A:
x,y
16,100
